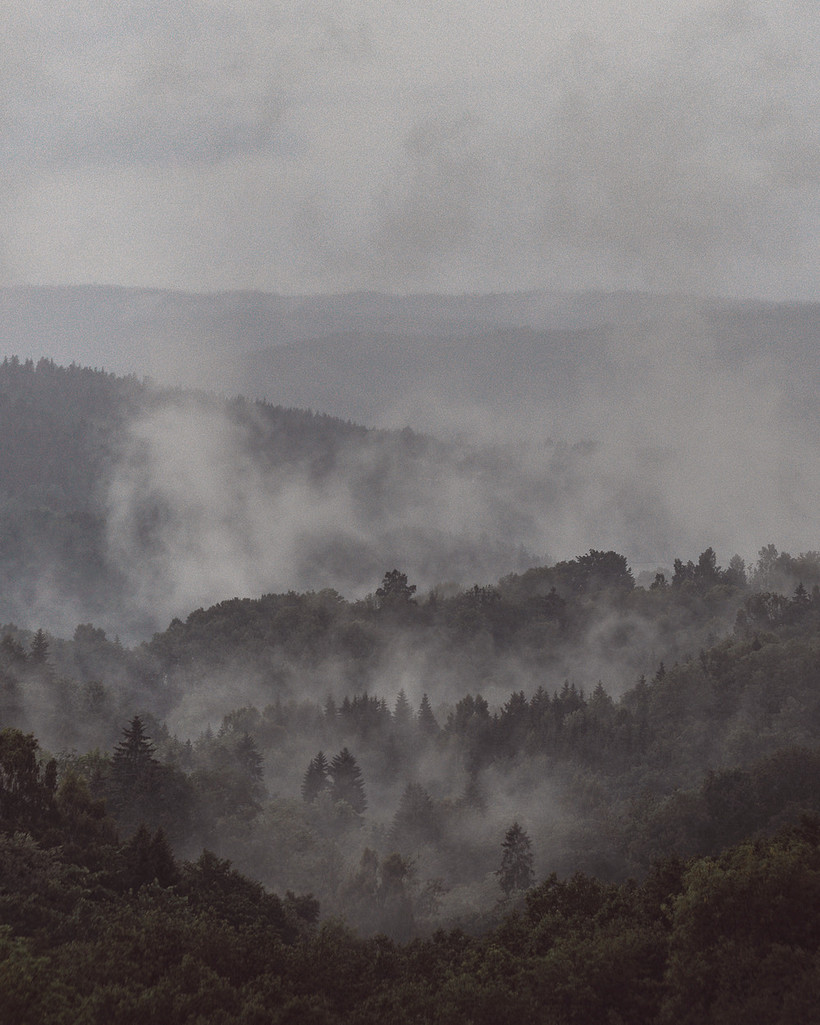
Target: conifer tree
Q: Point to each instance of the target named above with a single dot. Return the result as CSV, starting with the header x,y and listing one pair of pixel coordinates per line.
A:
x,y
149,858
133,760
416,820
402,713
516,861
426,720
346,782
133,777
39,649
316,779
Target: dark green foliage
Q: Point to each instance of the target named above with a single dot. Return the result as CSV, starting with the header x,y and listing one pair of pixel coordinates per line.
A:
x,y
133,760
719,941
148,859
26,787
133,778
346,783
316,780
744,943
140,789
395,592
516,871
718,747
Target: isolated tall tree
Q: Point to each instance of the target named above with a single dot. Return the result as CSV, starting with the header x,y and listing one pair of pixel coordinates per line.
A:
x,y
395,592
39,649
134,755
426,720
402,713
516,861
133,774
346,782
316,779
142,789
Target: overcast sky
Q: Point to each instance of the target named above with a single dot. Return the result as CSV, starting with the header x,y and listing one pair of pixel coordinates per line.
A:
x,y
448,145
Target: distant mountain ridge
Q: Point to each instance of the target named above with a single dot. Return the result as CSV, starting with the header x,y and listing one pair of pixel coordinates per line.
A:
x,y
643,424
374,358
124,504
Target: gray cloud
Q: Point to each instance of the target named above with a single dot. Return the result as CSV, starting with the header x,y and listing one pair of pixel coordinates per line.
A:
x,y
319,147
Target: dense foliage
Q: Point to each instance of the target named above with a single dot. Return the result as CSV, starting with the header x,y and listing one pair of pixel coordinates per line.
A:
x,y
565,796
319,793
100,930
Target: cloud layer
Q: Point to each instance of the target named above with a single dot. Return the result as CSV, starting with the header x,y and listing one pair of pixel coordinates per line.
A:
x,y
309,146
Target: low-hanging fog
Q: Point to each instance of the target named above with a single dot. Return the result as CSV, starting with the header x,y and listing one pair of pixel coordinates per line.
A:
x,y
653,438
459,293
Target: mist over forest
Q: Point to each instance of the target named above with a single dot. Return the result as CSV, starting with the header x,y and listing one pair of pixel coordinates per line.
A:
x,y
425,625
409,561
542,424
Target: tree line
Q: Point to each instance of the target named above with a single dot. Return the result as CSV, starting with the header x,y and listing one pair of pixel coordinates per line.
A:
x,y
96,929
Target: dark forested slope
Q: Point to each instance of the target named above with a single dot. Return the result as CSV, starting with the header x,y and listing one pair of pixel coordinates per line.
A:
x,y
562,796
312,740
125,504
97,929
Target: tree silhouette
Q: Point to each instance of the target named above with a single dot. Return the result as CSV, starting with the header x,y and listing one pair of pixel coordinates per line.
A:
x,y
516,861
416,820
26,793
132,785
39,649
402,713
133,761
316,779
426,720
395,592
346,781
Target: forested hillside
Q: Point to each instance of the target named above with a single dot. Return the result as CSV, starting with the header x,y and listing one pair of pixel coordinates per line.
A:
x,y
561,792
126,504
559,856
296,733
98,930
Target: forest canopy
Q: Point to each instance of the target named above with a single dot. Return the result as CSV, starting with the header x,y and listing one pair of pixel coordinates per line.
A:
x,y
566,792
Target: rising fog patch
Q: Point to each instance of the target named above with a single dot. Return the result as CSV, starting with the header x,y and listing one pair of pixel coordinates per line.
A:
x,y
627,422
447,711
209,499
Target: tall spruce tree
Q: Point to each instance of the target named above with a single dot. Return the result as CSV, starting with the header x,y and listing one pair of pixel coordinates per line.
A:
x,y
346,782
316,779
402,714
131,786
38,654
516,861
133,760
426,720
